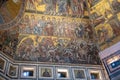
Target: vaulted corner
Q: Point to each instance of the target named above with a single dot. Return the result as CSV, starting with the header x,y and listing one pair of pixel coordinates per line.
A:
x,y
61,36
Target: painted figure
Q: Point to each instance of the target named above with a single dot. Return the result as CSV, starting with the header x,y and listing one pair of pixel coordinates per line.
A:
x,y
49,6
81,6
68,6
33,20
46,73
80,74
31,4
103,34
80,31
74,6
62,7
42,24
37,30
26,20
49,29
60,28
54,2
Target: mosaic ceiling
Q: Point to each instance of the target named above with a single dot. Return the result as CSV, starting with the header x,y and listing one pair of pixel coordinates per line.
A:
x,y
65,31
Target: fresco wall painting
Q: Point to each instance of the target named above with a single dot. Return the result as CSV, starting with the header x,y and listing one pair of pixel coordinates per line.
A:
x,y
56,38
45,37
